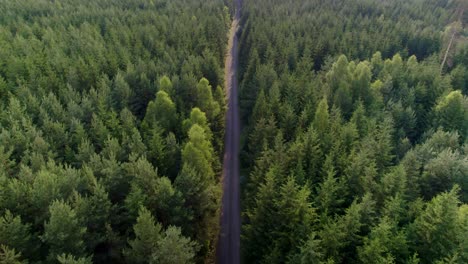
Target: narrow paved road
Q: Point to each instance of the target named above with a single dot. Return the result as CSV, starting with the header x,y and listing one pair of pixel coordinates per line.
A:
x,y
228,250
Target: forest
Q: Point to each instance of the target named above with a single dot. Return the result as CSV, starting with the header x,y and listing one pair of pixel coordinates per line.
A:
x,y
111,127
354,145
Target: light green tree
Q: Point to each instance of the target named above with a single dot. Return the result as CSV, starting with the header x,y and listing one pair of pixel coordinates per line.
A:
x,y
165,85
435,230
63,233
452,113
174,248
161,112
70,259
147,236
10,256
205,101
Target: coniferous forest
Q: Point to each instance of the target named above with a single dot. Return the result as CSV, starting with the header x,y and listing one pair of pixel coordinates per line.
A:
x,y
354,143
112,116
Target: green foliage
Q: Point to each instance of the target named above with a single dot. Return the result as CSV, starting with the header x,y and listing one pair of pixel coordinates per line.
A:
x,y
94,211
151,245
329,195
452,113
201,193
174,248
284,210
9,256
204,99
147,235
165,85
162,112
15,234
384,244
310,252
357,112
322,122
437,229
63,233
93,96
354,140
70,259
198,152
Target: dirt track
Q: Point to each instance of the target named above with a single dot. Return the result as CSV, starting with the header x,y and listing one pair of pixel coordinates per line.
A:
x,y
228,250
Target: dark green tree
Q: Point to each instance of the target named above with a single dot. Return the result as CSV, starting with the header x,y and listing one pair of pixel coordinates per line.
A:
x,y
17,235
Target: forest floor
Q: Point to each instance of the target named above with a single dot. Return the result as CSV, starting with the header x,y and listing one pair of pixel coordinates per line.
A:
x,y
228,250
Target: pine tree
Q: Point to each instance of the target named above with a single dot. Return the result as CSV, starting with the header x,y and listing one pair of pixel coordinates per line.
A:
x,y
161,112
9,256
198,152
121,92
257,231
295,218
63,232
197,117
462,249
147,236
321,124
261,109
16,235
70,259
94,210
361,81
435,230
165,85
310,252
452,114
330,191
198,185
339,79
205,101
384,244
174,248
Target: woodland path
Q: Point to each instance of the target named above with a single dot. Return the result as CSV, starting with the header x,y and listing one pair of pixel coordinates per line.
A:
x,y
228,250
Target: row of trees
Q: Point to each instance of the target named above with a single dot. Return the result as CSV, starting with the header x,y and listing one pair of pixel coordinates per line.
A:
x,y
111,127
358,158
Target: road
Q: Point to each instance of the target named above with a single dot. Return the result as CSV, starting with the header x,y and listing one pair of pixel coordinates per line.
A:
x,y
228,249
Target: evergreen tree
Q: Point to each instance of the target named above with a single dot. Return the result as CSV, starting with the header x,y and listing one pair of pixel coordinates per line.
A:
x,y
174,248
384,244
162,112
121,92
94,210
452,113
70,259
16,235
165,85
63,232
330,191
198,152
322,123
205,101
310,252
147,236
9,256
435,230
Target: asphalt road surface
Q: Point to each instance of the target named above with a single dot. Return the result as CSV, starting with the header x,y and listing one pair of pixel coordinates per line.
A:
x,y
228,249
